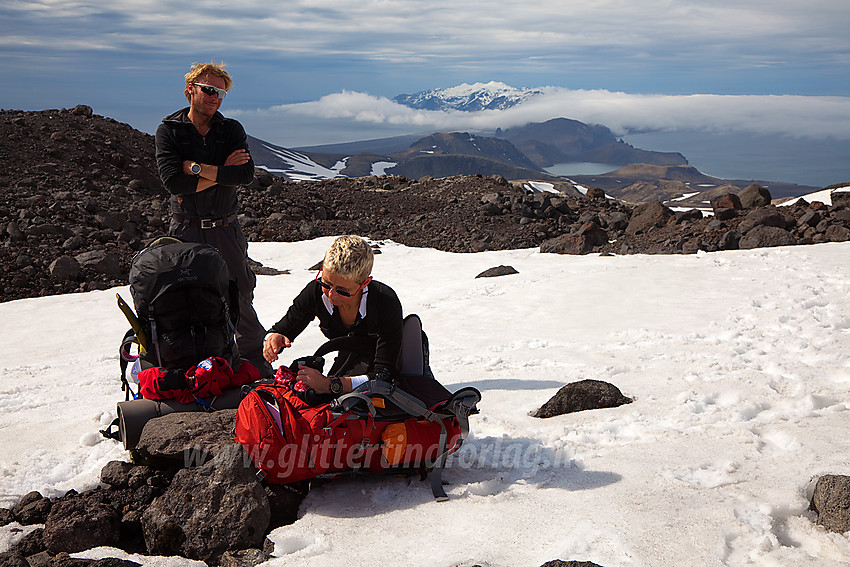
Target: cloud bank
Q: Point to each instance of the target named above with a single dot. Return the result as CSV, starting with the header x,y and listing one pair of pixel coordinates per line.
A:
x,y
816,117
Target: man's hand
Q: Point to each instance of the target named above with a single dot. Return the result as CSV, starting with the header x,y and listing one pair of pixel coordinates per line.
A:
x,y
273,345
238,157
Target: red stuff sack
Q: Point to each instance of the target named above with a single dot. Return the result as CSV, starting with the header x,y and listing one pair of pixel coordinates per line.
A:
x,y
209,378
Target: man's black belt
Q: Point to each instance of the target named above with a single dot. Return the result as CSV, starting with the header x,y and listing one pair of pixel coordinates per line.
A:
x,y
205,223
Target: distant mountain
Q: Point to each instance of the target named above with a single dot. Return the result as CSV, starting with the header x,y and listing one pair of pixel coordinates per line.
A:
x,y
456,153
521,153
516,153
300,166
562,140
379,146
466,144
469,98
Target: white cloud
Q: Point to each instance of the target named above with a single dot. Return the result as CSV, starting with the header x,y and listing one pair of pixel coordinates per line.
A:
x,y
804,116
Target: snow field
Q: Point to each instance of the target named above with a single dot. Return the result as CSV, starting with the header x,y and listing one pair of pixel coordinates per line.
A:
x,y
737,363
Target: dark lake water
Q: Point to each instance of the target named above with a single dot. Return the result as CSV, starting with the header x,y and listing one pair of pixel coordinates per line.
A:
x,y
804,161
733,155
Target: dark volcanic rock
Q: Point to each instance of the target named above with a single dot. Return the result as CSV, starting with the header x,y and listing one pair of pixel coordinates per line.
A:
x,y
116,473
183,438
583,395
765,216
80,523
648,216
31,543
208,510
726,201
244,558
831,501
13,559
766,236
754,196
32,509
587,238
497,271
840,197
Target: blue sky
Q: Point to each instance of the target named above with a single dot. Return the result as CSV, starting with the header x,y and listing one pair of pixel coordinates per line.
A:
x,y
320,71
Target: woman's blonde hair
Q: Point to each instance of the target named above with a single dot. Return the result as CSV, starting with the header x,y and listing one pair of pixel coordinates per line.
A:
x,y
349,257
199,70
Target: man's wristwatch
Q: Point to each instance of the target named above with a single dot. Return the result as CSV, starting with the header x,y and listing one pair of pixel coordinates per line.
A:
x,y
195,168
336,386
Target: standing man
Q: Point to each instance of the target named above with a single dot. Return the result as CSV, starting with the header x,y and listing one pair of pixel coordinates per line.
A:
x,y
202,159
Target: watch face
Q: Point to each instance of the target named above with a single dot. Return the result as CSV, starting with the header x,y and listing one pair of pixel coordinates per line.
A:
x,y
336,385
196,168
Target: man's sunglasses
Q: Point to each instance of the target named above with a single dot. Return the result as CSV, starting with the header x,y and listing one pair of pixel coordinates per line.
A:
x,y
211,90
339,291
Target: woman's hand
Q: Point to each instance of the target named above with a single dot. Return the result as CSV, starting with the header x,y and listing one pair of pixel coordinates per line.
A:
x,y
314,379
275,343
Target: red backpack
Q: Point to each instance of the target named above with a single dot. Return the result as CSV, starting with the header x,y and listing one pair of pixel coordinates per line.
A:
x,y
380,427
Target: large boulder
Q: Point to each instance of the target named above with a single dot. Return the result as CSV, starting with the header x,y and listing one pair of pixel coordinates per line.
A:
x,y
186,438
32,509
65,268
840,197
726,201
831,501
583,395
754,196
837,233
766,236
100,261
582,241
81,522
647,216
763,216
13,559
208,510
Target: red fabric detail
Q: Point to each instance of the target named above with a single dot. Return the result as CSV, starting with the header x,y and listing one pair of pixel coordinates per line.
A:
x,y
246,374
211,377
285,376
159,383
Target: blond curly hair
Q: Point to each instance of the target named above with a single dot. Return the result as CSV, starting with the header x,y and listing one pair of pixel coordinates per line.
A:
x,y
349,257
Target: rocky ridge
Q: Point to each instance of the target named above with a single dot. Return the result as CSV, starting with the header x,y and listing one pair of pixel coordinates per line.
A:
x,y
79,195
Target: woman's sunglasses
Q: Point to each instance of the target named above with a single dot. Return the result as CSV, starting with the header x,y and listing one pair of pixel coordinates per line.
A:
x,y
338,290
211,90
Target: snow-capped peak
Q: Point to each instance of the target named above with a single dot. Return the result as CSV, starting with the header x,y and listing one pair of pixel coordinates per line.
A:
x,y
469,97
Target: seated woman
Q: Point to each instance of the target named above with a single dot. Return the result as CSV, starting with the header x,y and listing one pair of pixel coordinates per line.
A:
x,y
347,302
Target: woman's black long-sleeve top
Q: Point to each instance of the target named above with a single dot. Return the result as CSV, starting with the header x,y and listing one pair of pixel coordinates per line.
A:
x,y
382,323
